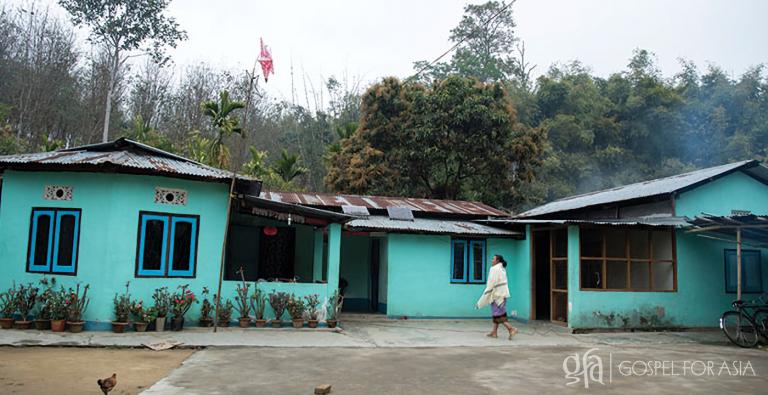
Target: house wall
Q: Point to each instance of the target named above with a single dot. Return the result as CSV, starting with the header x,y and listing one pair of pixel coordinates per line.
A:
x,y
110,206
356,269
700,298
419,285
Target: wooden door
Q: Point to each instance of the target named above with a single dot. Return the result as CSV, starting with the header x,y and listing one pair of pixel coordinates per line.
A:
x,y
558,269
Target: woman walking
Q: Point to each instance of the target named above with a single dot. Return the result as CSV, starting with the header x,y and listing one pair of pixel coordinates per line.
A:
x,y
496,294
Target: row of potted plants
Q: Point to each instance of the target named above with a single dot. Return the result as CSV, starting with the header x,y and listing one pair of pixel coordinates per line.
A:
x,y
52,308
166,304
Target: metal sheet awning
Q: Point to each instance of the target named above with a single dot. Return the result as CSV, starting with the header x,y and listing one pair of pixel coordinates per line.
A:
x,y
678,222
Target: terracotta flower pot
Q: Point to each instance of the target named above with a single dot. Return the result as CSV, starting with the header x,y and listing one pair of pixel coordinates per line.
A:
x,y
312,323
23,324
206,322
331,323
75,326
119,327
6,323
42,324
260,323
276,323
160,324
245,322
58,325
223,324
140,326
177,324
298,323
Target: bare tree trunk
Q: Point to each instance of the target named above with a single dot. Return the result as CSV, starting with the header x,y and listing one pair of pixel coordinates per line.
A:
x,y
110,91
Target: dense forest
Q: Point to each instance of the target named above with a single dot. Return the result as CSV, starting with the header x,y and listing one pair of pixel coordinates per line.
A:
x,y
474,125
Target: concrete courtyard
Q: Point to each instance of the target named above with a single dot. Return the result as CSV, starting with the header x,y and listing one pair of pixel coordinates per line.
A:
x,y
382,356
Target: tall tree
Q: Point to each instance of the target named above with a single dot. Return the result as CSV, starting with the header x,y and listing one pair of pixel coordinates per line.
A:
x,y
126,27
221,114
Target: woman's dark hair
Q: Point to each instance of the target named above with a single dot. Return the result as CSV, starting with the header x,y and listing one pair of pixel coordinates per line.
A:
x,y
501,259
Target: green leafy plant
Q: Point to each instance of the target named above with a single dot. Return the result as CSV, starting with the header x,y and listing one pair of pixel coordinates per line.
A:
x,y
123,305
225,311
143,314
334,305
312,301
278,301
77,303
258,303
296,307
8,303
26,298
162,299
182,301
207,307
57,307
43,298
242,297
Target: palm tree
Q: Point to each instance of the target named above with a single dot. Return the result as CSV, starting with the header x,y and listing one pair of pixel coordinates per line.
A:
x,y
221,117
287,167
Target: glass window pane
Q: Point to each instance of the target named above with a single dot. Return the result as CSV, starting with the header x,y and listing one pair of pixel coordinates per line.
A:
x,y
41,240
616,275
662,245
591,273
663,276
730,271
560,243
615,243
66,240
477,261
640,275
591,242
182,246
153,244
751,273
638,244
458,261
561,274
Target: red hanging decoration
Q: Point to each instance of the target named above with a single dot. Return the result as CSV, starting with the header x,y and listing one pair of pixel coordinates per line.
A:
x,y
270,231
265,59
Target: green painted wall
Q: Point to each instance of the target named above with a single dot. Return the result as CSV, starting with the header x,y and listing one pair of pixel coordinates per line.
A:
x,y
356,269
736,191
419,285
110,206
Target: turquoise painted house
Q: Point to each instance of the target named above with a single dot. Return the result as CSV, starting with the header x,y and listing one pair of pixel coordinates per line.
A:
x,y
628,257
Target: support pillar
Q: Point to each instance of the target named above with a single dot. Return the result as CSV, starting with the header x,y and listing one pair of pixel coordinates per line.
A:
x,y
334,256
317,263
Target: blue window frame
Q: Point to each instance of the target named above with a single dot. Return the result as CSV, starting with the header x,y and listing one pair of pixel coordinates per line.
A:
x,y
468,261
167,245
54,236
751,271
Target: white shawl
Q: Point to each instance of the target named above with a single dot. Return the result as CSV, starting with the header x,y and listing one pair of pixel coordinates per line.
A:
x,y
496,289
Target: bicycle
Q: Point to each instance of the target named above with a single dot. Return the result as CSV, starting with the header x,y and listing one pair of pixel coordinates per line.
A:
x,y
746,324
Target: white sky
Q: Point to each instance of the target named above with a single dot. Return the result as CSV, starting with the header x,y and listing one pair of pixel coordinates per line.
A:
x,y
370,39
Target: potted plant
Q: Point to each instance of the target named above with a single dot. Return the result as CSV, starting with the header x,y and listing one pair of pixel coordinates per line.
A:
x,y
334,309
205,310
142,316
76,305
43,314
26,298
259,304
162,300
225,313
122,310
278,301
7,308
312,312
296,309
243,301
57,309
181,302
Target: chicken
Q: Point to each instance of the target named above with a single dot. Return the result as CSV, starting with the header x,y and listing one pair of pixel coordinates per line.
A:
x,y
107,384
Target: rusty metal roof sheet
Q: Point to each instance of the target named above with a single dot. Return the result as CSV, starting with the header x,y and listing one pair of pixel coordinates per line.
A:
x,y
382,203
428,225
678,222
644,189
121,154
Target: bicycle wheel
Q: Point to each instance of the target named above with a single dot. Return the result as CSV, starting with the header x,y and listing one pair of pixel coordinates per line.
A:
x,y
761,322
739,329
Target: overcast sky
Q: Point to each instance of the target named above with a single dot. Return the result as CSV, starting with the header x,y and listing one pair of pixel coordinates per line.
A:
x,y
371,39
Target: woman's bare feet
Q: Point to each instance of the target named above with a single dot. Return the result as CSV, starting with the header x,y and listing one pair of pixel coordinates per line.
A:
x,y
512,332
492,335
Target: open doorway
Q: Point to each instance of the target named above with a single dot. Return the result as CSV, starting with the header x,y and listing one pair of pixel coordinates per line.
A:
x,y
541,285
550,275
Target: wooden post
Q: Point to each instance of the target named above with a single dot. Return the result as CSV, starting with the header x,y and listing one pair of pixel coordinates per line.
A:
x,y
738,263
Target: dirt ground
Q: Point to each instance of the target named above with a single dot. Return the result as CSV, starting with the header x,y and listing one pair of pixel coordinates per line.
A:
x,y
38,370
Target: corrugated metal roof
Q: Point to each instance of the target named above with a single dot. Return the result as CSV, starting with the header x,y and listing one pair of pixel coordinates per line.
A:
x,y
429,225
643,189
382,203
646,221
121,153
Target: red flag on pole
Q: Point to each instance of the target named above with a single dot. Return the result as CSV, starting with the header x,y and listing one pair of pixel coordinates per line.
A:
x,y
265,58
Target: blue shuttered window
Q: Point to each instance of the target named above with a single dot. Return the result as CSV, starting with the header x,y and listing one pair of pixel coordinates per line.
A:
x,y
53,241
167,245
751,271
468,261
